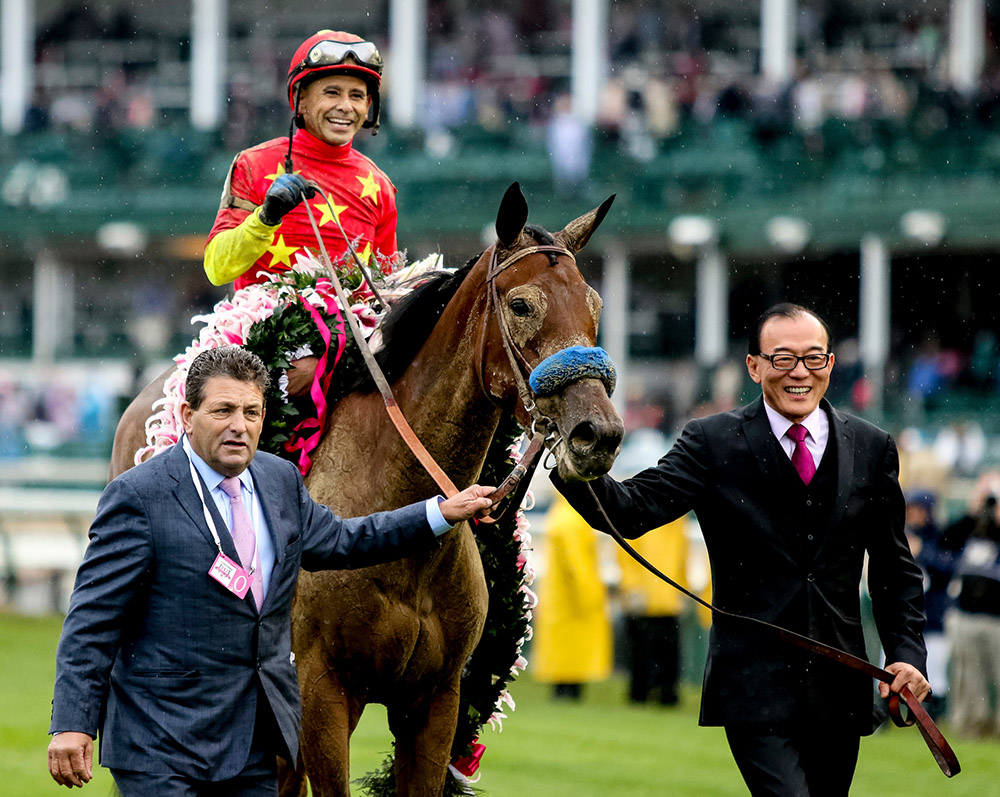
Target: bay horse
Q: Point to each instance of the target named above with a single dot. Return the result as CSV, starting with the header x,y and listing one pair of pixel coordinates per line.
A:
x,y
400,633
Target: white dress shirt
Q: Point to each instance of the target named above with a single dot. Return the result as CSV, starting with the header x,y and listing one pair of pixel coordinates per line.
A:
x,y
817,424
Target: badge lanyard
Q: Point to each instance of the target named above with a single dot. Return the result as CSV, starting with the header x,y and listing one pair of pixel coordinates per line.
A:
x,y
211,522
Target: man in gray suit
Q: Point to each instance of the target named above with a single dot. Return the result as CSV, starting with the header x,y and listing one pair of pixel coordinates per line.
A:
x,y
176,647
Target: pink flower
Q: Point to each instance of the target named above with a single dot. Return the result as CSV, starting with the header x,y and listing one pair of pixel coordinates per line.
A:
x,y
367,318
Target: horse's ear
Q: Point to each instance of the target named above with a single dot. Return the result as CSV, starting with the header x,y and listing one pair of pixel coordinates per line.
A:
x,y
512,216
575,235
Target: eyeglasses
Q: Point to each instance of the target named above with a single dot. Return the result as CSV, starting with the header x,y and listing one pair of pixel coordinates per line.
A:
x,y
331,53
789,362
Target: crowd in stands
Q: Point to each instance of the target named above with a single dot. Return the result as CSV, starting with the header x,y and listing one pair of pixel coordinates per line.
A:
x,y
491,66
55,412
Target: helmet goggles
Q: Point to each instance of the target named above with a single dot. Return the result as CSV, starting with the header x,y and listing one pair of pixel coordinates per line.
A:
x,y
334,53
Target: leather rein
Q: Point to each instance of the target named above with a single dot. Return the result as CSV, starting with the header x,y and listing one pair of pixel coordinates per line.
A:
x,y
938,745
515,485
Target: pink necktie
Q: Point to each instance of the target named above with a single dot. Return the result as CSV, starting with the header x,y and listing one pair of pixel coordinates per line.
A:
x,y
243,536
801,457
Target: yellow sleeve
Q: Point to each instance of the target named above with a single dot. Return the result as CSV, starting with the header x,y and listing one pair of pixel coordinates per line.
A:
x,y
234,251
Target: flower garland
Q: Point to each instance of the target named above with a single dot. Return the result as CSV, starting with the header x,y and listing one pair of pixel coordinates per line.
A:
x,y
279,320
281,311
285,317
504,548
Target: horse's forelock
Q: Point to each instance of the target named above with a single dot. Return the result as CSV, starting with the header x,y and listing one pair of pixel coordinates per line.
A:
x,y
531,235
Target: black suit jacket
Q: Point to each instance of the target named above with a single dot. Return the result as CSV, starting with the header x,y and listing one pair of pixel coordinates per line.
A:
x,y
767,564
165,662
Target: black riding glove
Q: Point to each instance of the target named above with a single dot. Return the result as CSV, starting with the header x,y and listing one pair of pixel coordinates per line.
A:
x,y
285,193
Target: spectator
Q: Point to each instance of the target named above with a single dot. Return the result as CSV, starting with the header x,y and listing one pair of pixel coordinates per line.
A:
x,y
570,147
652,611
973,625
936,562
573,636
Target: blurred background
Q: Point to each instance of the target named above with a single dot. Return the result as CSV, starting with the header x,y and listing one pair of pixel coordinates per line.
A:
x,y
845,155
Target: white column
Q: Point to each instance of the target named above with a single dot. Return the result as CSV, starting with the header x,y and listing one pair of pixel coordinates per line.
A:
x,y
777,39
874,314
17,62
52,308
589,62
711,307
966,49
407,58
616,293
209,40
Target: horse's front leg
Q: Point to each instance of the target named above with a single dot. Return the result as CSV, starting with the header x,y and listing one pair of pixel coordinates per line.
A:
x,y
424,736
329,716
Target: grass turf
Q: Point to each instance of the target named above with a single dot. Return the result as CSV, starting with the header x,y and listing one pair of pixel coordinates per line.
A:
x,y
599,746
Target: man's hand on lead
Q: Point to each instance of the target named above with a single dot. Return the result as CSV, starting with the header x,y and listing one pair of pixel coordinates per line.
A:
x,y
906,675
471,502
285,193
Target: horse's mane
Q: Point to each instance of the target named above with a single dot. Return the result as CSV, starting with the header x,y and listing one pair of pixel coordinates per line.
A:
x,y
410,321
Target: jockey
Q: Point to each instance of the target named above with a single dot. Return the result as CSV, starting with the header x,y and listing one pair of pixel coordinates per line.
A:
x,y
333,91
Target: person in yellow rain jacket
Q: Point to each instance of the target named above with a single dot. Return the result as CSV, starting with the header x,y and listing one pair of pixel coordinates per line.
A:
x,y
572,641
652,610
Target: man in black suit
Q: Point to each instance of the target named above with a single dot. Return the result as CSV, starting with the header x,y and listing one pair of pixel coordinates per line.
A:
x,y
176,647
787,525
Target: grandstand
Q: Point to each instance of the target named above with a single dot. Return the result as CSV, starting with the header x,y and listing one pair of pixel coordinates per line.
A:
x,y
758,151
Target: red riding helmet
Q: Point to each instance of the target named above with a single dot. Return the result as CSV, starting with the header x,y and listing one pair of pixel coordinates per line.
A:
x,y
336,51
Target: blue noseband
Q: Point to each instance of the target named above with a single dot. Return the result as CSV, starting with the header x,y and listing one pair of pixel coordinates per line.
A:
x,y
577,362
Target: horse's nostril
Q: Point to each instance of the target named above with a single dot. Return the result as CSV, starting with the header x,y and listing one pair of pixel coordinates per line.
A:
x,y
583,438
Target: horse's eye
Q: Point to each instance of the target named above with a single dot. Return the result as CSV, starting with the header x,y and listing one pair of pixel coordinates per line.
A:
x,y
520,307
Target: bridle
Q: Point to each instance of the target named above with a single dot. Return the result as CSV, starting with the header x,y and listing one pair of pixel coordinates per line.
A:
x,y
518,364
514,486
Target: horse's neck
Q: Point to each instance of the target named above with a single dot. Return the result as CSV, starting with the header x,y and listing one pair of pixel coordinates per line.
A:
x,y
440,396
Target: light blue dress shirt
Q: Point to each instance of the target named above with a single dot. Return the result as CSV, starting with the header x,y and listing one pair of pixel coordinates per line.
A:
x,y
213,480
251,502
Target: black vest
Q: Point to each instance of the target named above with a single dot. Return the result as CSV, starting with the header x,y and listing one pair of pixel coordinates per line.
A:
x,y
809,506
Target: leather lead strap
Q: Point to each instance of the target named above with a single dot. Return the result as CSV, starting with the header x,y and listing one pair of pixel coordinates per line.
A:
x,y
395,414
516,483
938,745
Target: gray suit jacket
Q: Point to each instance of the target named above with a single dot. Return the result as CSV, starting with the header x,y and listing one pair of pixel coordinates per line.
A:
x,y
163,661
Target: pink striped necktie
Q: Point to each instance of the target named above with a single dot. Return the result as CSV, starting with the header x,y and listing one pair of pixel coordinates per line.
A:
x,y
243,534
801,456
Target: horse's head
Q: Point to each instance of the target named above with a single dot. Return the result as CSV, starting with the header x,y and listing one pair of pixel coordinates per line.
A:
x,y
538,340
